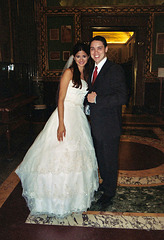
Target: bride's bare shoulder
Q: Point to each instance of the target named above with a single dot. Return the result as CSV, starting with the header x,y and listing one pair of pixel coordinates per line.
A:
x,y
68,74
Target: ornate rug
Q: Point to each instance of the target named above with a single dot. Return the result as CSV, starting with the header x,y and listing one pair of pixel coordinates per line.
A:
x,y
133,208
139,200
104,220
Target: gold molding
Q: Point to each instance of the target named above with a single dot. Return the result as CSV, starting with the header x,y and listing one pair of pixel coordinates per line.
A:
x,y
45,11
44,69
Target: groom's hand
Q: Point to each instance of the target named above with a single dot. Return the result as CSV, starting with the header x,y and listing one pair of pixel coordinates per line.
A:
x,y
92,97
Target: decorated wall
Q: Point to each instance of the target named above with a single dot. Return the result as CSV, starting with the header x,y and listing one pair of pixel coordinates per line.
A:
x,y
140,57
96,3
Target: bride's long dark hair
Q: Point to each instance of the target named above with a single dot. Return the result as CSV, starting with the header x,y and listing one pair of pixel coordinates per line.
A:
x,y
76,79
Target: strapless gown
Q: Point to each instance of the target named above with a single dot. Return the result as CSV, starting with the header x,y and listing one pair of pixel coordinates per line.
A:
x,y
59,178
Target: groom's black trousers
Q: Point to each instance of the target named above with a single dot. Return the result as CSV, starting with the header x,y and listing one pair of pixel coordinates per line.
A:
x,y
107,156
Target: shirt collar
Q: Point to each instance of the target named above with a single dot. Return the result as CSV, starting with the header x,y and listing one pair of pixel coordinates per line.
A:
x,y
100,64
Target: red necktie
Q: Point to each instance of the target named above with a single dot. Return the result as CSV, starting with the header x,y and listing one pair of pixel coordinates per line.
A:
x,y
94,75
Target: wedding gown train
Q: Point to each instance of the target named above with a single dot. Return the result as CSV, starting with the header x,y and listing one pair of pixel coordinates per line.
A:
x,y
59,178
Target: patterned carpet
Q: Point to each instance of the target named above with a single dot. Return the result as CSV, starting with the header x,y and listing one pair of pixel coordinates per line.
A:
x,y
139,201
109,220
136,199
132,208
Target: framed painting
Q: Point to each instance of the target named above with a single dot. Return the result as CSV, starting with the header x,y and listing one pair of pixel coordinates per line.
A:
x,y
54,34
54,55
59,32
160,43
66,55
66,33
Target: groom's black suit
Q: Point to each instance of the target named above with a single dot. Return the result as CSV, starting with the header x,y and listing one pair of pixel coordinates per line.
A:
x,y
105,116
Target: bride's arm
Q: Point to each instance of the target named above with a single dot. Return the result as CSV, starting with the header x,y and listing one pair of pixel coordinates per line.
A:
x,y
65,79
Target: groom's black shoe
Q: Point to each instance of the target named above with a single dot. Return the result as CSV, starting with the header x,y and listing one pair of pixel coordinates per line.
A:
x,y
104,201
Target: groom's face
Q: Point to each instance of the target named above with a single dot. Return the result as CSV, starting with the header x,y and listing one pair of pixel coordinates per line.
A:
x,y
98,51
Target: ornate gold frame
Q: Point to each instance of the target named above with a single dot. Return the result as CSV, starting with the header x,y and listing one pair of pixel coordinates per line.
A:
x,y
43,63
44,11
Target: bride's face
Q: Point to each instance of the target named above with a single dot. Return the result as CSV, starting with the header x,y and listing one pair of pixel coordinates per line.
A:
x,y
81,58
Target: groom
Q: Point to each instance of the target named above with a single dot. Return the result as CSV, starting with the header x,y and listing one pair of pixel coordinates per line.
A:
x,y
107,94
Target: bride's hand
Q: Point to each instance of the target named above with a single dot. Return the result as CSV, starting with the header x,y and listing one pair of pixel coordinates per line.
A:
x,y
61,132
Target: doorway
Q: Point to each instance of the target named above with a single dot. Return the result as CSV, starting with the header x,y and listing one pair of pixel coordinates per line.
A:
x,y
121,45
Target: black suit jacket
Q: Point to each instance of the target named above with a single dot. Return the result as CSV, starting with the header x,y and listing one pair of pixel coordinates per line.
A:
x,y
105,114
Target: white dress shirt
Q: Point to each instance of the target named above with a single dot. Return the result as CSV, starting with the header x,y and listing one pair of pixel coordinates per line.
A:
x,y
99,66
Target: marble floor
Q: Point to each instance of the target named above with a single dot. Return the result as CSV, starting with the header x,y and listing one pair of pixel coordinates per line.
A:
x,y
138,207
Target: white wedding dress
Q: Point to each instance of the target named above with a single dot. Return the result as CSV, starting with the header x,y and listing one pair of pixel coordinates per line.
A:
x,y
59,178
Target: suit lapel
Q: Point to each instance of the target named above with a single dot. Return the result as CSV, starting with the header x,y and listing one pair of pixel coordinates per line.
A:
x,y
100,75
104,68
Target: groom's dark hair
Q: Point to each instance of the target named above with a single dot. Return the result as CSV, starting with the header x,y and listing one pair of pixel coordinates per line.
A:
x,y
99,38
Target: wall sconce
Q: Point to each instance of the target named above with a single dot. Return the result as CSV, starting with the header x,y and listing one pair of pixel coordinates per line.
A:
x,y
161,77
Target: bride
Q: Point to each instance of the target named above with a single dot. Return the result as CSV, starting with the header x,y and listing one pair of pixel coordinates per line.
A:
x,y
59,172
